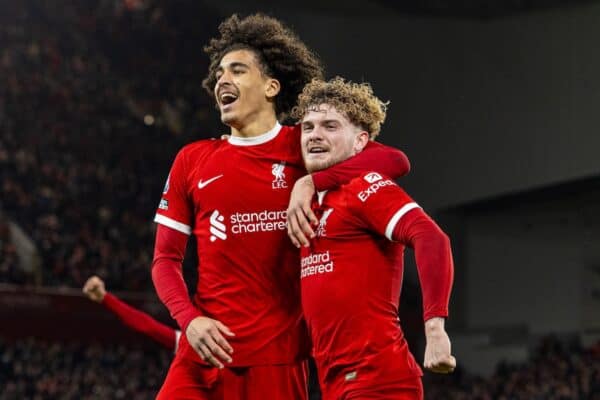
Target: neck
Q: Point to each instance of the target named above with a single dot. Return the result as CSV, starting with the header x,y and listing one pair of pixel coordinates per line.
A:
x,y
260,123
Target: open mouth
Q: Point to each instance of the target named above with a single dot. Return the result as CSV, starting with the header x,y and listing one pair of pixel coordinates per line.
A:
x,y
227,98
317,150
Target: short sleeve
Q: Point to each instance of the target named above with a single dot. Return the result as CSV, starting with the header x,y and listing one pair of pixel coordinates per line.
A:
x,y
175,209
379,202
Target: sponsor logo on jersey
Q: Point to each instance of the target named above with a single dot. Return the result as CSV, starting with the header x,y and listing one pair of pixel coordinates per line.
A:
x,y
263,221
164,204
374,188
166,188
217,227
316,264
279,174
373,177
202,184
245,223
321,229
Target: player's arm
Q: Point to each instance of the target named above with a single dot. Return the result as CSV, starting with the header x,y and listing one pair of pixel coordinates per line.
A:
x,y
140,321
133,318
377,157
204,334
387,210
433,256
175,216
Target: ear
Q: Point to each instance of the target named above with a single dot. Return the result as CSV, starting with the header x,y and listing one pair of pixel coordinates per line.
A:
x,y
361,140
272,87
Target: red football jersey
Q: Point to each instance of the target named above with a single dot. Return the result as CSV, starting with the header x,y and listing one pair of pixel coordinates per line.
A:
x,y
233,196
351,278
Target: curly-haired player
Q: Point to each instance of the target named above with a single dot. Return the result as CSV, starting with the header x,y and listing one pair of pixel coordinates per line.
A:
x,y
355,101
357,254
281,55
244,337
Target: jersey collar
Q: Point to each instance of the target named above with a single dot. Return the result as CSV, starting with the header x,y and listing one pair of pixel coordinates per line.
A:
x,y
254,140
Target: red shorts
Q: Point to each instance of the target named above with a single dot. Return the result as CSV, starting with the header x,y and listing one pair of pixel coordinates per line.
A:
x,y
187,379
406,389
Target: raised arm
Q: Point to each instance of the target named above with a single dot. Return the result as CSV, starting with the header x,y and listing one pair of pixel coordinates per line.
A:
x,y
133,318
141,322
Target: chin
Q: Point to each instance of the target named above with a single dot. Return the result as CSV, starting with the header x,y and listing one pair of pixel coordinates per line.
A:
x,y
314,166
228,119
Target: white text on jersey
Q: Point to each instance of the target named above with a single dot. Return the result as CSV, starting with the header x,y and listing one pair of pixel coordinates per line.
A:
x,y
317,263
371,190
263,221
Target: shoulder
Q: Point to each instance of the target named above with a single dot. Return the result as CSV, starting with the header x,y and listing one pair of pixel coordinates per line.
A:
x,y
203,145
291,131
370,185
369,180
200,148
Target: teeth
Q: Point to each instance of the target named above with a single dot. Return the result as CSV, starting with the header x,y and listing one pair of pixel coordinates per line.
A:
x,y
228,98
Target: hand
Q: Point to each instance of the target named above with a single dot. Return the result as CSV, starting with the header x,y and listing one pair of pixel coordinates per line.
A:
x,y
438,357
299,212
205,335
94,289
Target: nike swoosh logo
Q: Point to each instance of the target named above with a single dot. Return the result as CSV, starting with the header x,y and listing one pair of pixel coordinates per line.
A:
x,y
203,184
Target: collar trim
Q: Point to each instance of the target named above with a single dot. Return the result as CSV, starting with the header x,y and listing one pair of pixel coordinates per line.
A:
x,y
254,140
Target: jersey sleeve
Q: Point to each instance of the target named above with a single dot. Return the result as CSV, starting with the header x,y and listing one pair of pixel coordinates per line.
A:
x,y
379,202
140,321
175,209
384,159
388,210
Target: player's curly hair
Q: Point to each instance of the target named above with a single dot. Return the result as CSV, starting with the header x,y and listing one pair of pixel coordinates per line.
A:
x,y
354,100
282,55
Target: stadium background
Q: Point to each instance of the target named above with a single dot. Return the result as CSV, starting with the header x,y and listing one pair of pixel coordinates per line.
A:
x,y
495,103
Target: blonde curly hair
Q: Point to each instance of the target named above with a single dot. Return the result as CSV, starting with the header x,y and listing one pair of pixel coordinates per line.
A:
x,y
356,101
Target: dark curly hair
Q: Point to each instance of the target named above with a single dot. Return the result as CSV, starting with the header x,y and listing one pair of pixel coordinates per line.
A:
x,y
282,55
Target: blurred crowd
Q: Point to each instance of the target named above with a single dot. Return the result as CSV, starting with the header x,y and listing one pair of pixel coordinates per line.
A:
x,y
10,270
40,370
555,372
96,98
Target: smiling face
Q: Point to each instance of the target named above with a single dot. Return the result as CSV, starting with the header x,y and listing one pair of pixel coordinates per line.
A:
x,y
328,137
243,92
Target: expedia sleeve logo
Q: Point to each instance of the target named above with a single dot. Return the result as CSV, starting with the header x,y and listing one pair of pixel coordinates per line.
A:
x,y
373,177
374,188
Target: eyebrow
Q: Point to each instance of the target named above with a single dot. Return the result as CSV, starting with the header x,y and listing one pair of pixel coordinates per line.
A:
x,y
321,122
234,64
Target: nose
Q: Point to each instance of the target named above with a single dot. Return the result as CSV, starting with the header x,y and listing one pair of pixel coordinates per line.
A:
x,y
223,80
315,135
